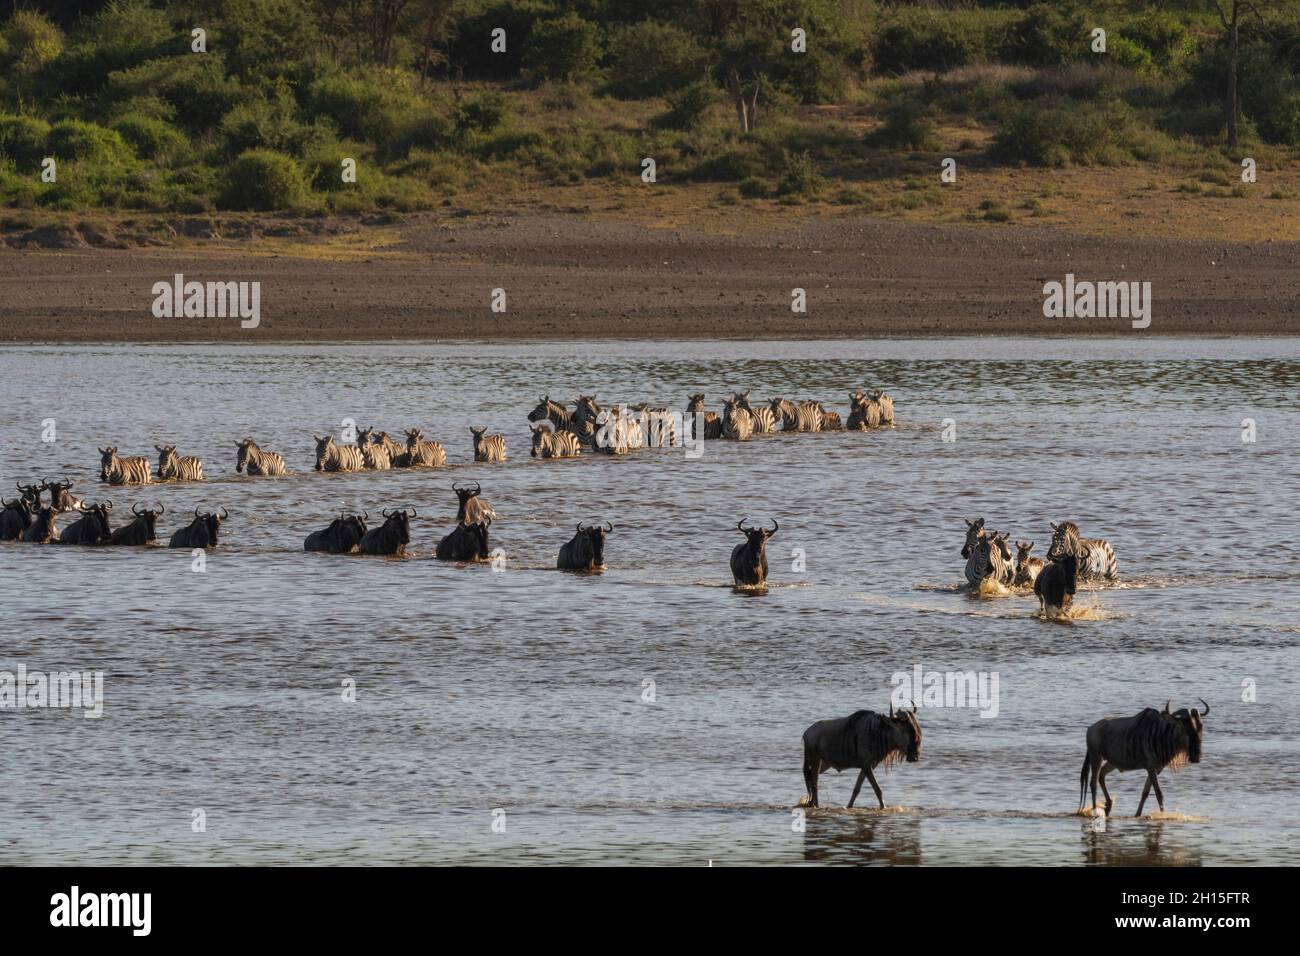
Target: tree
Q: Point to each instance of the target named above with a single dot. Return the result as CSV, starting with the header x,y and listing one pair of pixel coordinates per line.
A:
x,y
1231,13
29,42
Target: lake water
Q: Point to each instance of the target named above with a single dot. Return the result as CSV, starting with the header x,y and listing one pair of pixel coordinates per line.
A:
x,y
516,697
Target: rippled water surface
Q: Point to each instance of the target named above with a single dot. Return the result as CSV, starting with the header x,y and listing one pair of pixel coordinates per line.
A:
x,y
521,690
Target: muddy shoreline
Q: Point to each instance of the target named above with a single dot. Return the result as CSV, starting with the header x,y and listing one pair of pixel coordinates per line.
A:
x,y
566,277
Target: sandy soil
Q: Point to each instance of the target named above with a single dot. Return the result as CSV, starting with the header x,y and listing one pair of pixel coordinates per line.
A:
x,y
569,276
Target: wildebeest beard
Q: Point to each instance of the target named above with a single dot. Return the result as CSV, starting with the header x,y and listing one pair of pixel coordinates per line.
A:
x,y
1165,736
886,737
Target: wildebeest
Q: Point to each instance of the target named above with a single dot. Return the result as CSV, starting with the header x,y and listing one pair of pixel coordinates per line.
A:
x,y
332,457
1057,583
421,453
737,424
14,519
258,462
202,532
61,497
341,537
466,542
42,529
471,506
374,454
712,422
1150,741
585,551
91,528
123,471
31,494
488,447
141,529
560,444
1027,568
749,558
174,467
864,739
391,537
1100,562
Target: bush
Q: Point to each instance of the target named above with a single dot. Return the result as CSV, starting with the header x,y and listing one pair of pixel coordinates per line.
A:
x,y
1130,55
563,48
480,114
149,137
196,87
263,180
907,126
1056,135
22,139
371,108
688,106
1047,36
923,40
104,148
652,59
798,176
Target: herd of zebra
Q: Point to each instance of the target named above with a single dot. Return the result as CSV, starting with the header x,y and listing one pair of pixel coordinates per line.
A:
x,y
1070,560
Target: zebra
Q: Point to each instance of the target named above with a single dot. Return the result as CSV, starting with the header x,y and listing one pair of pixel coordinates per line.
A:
x,y
831,421
421,453
174,467
712,423
488,447
332,457
616,432
561,419
560,444
737,424
974,534
373,452
804,417
258,462
990,558
864,412
584,421
123,471
397,456
764,420
886,406
1027,568
1100,560
660,429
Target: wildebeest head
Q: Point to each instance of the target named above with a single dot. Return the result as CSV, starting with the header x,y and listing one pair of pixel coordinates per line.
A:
x,y
242,462
596,538
106,456
465,493
323,446
148,517
974,531
399,523
61,497
757,537
695,403
1190,722
42,528
211,521
99,515
908,731
30,495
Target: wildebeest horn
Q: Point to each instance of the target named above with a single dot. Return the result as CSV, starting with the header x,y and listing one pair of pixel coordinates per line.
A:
x,y
913,707
477,487
891,707
133,509
196,511
413,514
1167,703
108,505
6,503
775,528
579,527
740,525
608,527
1206,711
224,514
161,509
384,512
365,516
455,486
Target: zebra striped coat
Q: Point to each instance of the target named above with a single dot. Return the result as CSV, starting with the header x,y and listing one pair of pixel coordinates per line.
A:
x,y
616,432
990,558
659,426
174,467
763,418
258,462
886,406
1027,568
374,454
123,471
737,424
560,444
1097,564
864,412
332,457
804,417
421,453
488,447
712,423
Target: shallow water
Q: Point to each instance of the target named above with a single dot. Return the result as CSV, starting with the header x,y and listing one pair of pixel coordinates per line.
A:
x,y
522,690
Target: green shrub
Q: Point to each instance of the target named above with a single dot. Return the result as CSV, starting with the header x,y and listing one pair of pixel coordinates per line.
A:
x,y
149,137
751,187
22,139
907,126
563,48
688,106
798,176
1130,55
263,180
196,87
105,148
372,108
652,59
480,114
1047,35
923,40
1044,134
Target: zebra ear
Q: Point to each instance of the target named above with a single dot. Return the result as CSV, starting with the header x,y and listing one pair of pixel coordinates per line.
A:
x,y
1055,527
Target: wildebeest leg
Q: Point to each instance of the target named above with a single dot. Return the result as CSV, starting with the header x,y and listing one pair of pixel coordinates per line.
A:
x,y
1160,797
880,797
858,786
1146,789
1101,778
1096,768
810,768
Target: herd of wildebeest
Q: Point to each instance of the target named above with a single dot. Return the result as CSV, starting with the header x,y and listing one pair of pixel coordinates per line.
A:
x,y
1150,741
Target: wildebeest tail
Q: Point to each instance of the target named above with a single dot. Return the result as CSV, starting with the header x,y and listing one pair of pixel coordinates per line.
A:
x,y
1083,777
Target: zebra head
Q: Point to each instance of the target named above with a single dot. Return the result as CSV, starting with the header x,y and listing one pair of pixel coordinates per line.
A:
x,y
974,532
323,446
540,434
166,459
245,447
413,436
107,461
366,436
999,541
1065,540
742,401
542,411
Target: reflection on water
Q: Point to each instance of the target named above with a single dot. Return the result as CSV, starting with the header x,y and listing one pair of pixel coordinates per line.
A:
x,y
653,713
